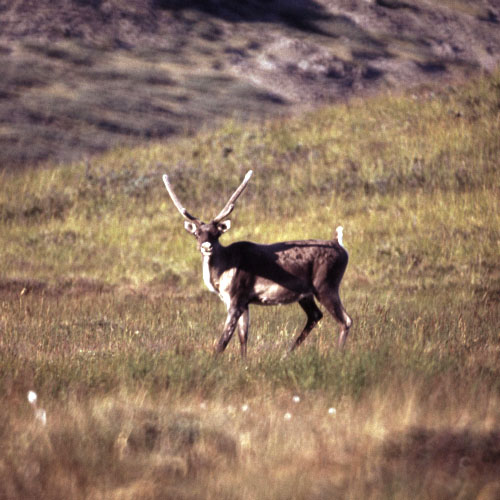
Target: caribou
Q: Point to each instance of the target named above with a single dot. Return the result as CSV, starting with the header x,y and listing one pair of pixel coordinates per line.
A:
x,y
245,273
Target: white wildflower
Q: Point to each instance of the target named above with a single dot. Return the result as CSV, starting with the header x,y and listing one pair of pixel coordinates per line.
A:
x,y
244,407
287,416
41,415
245,440
296,399
32,397
332,411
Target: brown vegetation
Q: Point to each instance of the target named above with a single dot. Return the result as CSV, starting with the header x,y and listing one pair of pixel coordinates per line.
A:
x,y
80,77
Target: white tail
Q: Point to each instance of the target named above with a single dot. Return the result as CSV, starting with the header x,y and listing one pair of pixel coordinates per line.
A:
x,y
340,235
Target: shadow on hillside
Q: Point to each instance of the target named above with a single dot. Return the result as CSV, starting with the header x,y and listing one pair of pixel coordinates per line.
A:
x,y
80,77
298,14
446,453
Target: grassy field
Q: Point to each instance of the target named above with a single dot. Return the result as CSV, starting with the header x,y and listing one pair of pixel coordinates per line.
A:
x,y
104,314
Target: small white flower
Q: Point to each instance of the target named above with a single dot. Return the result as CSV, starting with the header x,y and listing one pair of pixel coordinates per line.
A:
x,y
32,397
245,440
244,407
203,405
40,413
41,416
287,416
296,399
332,411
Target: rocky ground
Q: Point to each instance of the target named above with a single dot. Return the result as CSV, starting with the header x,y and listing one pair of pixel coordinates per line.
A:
x,y
83,76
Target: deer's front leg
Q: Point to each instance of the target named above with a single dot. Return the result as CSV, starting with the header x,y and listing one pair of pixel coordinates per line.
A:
x,y
233,315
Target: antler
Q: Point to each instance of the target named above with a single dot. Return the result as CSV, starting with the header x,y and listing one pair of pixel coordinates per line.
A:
x,y
176,201
230,204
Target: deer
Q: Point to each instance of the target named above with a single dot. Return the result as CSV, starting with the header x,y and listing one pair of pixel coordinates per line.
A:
x,y
245,273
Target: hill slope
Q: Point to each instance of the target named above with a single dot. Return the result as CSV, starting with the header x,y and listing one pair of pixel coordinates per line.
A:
x,y
103,312
81,76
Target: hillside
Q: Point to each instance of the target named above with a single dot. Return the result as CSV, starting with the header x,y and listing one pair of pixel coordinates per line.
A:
x,y
104,314
105,322
82,76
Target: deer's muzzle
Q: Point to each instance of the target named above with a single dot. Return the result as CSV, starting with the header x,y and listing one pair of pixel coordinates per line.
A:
x,y
206,248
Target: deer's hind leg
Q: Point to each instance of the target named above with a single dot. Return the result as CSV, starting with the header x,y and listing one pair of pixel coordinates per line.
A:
x,y
243,324
313,316
331,300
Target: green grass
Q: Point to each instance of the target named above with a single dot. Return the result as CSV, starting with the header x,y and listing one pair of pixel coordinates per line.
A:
x,y
104,314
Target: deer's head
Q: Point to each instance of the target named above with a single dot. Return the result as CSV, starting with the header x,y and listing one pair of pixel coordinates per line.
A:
x,y
207,235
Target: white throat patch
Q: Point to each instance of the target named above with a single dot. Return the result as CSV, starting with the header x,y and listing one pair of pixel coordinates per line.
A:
x,y
206,274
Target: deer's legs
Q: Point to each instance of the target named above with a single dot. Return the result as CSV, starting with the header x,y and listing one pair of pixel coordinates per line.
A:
x,y
313,316
333,304
233,315
243,323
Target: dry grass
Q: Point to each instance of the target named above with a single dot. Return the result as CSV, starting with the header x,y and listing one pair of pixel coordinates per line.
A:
x,y
389,445
103,313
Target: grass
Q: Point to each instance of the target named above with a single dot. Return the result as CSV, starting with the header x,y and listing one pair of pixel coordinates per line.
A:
x,y
103,313
67,99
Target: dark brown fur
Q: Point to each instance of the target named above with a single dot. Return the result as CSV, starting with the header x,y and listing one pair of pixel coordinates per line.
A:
x,y
247,273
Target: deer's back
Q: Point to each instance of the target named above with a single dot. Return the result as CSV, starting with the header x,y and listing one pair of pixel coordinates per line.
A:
x,y
296,257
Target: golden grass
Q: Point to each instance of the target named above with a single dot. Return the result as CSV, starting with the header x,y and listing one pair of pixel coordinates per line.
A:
x,y
127,445
103,313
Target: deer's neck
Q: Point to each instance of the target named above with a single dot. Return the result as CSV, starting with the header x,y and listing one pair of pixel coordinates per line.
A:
x,y
207,275
213,267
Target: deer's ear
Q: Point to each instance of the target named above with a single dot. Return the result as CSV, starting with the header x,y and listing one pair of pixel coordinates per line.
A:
x,y
189,227
224,226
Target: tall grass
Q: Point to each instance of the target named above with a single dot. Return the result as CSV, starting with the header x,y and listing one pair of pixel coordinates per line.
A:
x,y
103,313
